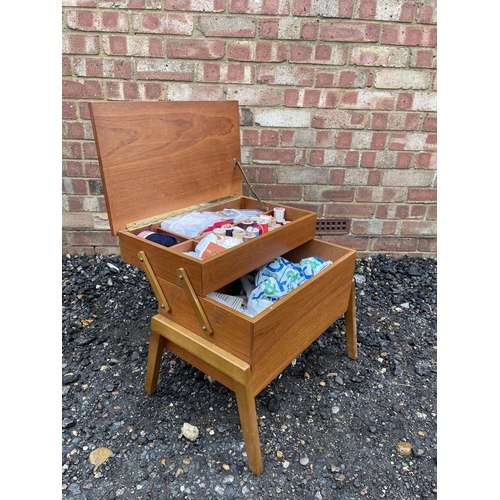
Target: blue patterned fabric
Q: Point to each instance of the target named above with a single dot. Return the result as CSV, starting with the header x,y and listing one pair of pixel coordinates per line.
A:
x,y
280,276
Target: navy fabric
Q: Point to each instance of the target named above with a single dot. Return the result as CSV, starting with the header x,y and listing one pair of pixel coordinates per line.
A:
x,y
162,239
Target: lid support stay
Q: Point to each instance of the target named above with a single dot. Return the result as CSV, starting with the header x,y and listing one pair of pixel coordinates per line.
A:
x,y
162,301
236,163
195,303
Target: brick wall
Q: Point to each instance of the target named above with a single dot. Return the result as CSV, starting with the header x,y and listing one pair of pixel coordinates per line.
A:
x,y
337,101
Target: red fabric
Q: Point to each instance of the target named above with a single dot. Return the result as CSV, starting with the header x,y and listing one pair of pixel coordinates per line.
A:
x,y
217,224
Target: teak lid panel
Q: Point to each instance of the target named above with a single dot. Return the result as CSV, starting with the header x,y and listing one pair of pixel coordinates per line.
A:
x,y
157,157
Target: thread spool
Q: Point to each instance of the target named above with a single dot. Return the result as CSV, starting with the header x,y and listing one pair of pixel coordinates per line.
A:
x,y
228,228
279,214
238,232
262,227
249,236
246,223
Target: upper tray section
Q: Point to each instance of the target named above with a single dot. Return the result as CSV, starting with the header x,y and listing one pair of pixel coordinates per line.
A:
x,y
156,157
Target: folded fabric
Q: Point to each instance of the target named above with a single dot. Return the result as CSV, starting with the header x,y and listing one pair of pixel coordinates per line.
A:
x,y
277,278
192,224
160,238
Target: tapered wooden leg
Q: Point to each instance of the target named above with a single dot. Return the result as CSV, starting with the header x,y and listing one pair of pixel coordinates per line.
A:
x,y
350,325
249,427
156,345
233,368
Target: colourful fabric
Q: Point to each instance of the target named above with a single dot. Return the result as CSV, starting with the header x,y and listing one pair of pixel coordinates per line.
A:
x,y
279,277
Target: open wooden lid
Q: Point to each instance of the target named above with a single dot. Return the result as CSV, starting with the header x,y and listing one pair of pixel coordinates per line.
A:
x,y
157,157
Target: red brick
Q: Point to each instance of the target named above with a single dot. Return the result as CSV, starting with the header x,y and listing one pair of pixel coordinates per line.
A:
x,y
82,89
227,26
72,169
66,66
380,100
374,227
195,5
418,36
317,157
381,194
394,244
285,75
269,7
75,204
257,51
89,150
374,177
250,138
404,160
349,32
337,177
83,109
69,110
426,13
332,193
73,130
80,44
428,245
280,192
367,9
195,49
137,4
405,101
379,121
74,186
407,12
135,91
71,149
422,195
379,140
368,159
343,9
424,59
140,46
324,139
166,24
432,212
417,211
350,210
426,160
269,138
344,140
79,3
356,243
418,228
254,96
172,70
84,20
430,123
324,79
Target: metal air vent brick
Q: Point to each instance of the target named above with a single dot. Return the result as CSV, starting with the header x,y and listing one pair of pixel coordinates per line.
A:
x,y
333,226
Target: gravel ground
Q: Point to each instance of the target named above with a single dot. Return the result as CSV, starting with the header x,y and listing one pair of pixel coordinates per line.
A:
x,y
330,427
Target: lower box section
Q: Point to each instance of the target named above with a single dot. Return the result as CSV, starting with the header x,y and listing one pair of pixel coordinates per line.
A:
x,y
273,338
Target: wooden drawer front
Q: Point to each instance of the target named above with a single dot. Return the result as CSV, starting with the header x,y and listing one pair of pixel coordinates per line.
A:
x,y
232,330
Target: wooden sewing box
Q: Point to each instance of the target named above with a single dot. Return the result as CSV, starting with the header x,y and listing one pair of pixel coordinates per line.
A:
x,y
161,159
